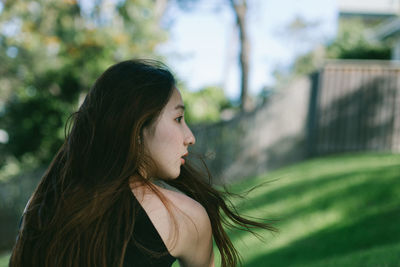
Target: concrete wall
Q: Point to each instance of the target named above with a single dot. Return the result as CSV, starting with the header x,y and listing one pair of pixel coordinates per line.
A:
x,y
269,137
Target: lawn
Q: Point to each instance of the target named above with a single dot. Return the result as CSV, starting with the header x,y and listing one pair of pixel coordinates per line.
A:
x,y
332,211
4,259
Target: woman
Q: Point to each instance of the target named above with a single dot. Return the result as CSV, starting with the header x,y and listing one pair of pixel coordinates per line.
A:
x,y
120,191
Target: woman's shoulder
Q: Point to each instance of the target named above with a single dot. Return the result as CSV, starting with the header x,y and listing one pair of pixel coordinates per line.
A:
x,y
182,223
169,199
184,203
171,208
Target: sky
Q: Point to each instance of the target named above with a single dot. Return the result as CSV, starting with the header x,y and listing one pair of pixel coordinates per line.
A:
x,y
203,47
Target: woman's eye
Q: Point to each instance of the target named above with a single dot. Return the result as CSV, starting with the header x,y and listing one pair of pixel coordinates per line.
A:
x,y
179,119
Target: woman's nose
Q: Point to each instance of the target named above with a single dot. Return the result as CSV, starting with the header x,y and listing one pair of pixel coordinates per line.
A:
x,y
190,139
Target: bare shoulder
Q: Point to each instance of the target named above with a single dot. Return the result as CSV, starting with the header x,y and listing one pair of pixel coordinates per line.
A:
x,y
177,202
185,203
182,223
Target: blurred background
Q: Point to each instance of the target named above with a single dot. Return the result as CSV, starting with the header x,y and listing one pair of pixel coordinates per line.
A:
x,y
298,98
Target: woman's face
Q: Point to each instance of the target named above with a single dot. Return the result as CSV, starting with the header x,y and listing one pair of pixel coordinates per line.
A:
x,y
168,139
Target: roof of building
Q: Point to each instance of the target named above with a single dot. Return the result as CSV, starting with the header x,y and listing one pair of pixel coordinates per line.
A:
x,y
388,29
369,7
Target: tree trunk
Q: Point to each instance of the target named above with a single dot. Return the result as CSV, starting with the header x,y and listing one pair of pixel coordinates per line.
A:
x,y
240,8
160,6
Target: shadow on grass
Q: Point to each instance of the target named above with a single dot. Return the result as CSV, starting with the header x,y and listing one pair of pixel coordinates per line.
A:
x,y
298,188
369,204
372,231
377,188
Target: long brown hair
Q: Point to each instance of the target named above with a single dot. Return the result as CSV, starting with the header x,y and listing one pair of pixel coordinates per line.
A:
x,y
72,217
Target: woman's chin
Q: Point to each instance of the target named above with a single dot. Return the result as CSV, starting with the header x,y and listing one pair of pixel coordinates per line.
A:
x,y
171,176
176,175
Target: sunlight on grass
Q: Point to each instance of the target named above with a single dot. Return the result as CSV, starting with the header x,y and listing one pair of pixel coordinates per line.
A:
x,y
371,257
326,207
294,230
297,229
303,198
4,258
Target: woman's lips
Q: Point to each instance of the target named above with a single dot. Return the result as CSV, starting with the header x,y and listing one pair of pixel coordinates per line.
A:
x,y
182,158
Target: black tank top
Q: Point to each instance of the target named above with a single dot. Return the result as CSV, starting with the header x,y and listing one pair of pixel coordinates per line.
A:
x,y
146,248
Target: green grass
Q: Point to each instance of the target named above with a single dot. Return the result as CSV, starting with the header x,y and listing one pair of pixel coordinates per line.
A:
x,y
333,211
4,257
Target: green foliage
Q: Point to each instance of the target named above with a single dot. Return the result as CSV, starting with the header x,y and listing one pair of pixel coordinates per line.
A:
x,y
17,183
205,105
332,211
309,62
51,53
351,43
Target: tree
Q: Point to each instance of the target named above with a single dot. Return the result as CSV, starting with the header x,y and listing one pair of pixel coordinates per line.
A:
x,y
205,105
51,53
239,8
351,42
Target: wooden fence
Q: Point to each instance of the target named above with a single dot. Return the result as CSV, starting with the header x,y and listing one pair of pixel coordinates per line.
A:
x,y
355,106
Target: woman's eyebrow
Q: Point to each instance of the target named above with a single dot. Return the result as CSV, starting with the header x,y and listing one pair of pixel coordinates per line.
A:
x,y
179,106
